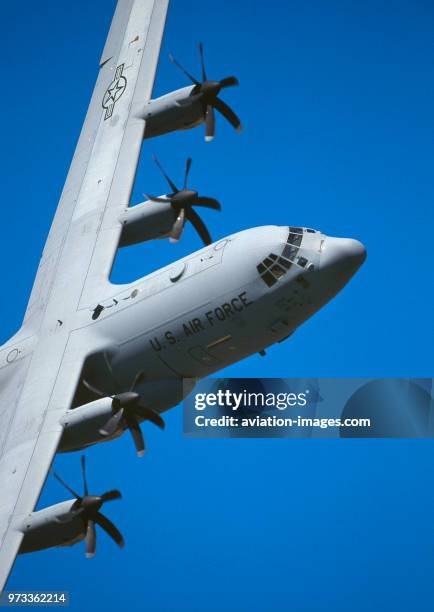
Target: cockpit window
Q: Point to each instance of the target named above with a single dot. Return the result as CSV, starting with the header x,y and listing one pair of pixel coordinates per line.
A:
x,y
285,263
295,239
278,271
310,231
268,279
273,268
290,252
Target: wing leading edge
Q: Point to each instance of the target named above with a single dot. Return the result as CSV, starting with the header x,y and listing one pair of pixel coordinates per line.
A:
x,y
45,359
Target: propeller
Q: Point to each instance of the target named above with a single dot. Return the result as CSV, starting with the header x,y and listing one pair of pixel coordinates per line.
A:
x,y
127,409
207,91
182,201
88,506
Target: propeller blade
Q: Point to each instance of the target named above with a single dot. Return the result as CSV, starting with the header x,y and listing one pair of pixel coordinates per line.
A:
x,y
111,495
109,528
156,198
182,69
207,203
90,539
209,123
93,389
199,226
171,183
202,62
152,415
83,473
138,378
227,113
178,227
229,82
187,170
112,424
67,487
137,436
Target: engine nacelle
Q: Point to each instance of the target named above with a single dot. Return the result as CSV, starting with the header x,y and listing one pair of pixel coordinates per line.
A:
x,y
171,112
56,525
146,221
82,425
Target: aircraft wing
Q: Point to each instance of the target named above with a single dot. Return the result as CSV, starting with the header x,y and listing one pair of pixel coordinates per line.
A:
x,y
41,366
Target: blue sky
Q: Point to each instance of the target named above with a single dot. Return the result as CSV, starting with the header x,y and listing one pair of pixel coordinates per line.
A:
x,y
336,99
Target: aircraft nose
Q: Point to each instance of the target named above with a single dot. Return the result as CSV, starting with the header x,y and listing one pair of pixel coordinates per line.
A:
x,y
342,256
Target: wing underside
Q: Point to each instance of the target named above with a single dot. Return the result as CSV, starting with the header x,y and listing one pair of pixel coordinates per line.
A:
x,y
41,366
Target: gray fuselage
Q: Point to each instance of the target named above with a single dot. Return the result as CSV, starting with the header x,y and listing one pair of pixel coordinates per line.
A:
x,y
213,307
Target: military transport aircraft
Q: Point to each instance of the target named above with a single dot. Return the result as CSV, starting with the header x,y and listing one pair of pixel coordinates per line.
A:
x,y
93,359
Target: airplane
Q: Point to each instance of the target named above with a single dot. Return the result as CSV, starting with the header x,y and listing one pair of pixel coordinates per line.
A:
x,y
93,360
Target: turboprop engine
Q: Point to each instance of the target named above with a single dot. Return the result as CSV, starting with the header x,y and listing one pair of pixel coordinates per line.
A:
x,y
166,216
71,521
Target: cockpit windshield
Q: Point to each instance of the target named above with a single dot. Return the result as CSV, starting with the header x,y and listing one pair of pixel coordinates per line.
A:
x,y
274,267
295,239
